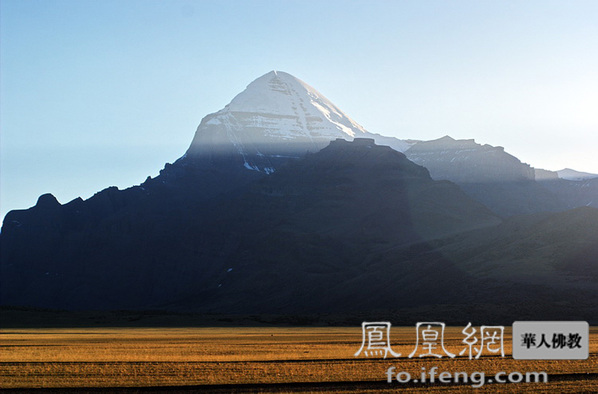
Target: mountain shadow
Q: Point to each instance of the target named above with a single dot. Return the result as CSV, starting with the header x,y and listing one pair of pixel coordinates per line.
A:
x,y
284,242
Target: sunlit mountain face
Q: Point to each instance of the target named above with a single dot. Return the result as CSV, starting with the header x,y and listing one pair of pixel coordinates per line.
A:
x,y
275,118
278,118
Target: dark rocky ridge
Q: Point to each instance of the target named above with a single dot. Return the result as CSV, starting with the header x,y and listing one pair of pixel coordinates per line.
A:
x,y
256,219
465,161
488,174
175,237
355,227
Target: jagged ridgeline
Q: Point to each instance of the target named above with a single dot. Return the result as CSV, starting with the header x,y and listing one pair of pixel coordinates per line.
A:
x,y
284,204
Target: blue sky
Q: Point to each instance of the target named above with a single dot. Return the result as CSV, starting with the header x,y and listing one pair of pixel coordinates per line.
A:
x,y
101,93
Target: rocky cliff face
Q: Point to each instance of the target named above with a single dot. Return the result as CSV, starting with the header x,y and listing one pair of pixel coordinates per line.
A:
x,y
487,173
465,161
545,175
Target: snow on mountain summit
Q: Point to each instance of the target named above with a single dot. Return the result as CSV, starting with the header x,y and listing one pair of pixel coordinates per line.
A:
x,y
306,109
276,116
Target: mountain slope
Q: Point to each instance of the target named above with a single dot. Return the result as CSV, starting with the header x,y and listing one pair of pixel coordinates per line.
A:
x,y
275,118
488,174
572,175
564,245
314,222
353,228
257,218
465,161
279,118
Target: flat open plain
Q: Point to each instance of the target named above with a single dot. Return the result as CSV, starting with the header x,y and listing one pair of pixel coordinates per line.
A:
x,y
253,359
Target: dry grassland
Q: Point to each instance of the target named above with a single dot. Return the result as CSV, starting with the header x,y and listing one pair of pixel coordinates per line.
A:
x,y
253,359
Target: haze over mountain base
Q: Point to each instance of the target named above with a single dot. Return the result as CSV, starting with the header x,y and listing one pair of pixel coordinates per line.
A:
x,y
285,206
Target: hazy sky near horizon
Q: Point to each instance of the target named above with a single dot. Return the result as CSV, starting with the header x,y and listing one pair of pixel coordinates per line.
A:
x,y
95,93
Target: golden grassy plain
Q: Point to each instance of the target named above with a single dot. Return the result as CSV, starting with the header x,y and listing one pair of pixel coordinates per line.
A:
x,y
255,359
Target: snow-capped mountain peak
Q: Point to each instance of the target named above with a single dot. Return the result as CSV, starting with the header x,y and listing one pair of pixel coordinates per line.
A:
x,y
279,93
277,116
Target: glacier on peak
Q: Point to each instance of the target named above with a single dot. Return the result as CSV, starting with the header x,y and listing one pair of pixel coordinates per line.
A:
x,y
279,93
276,116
